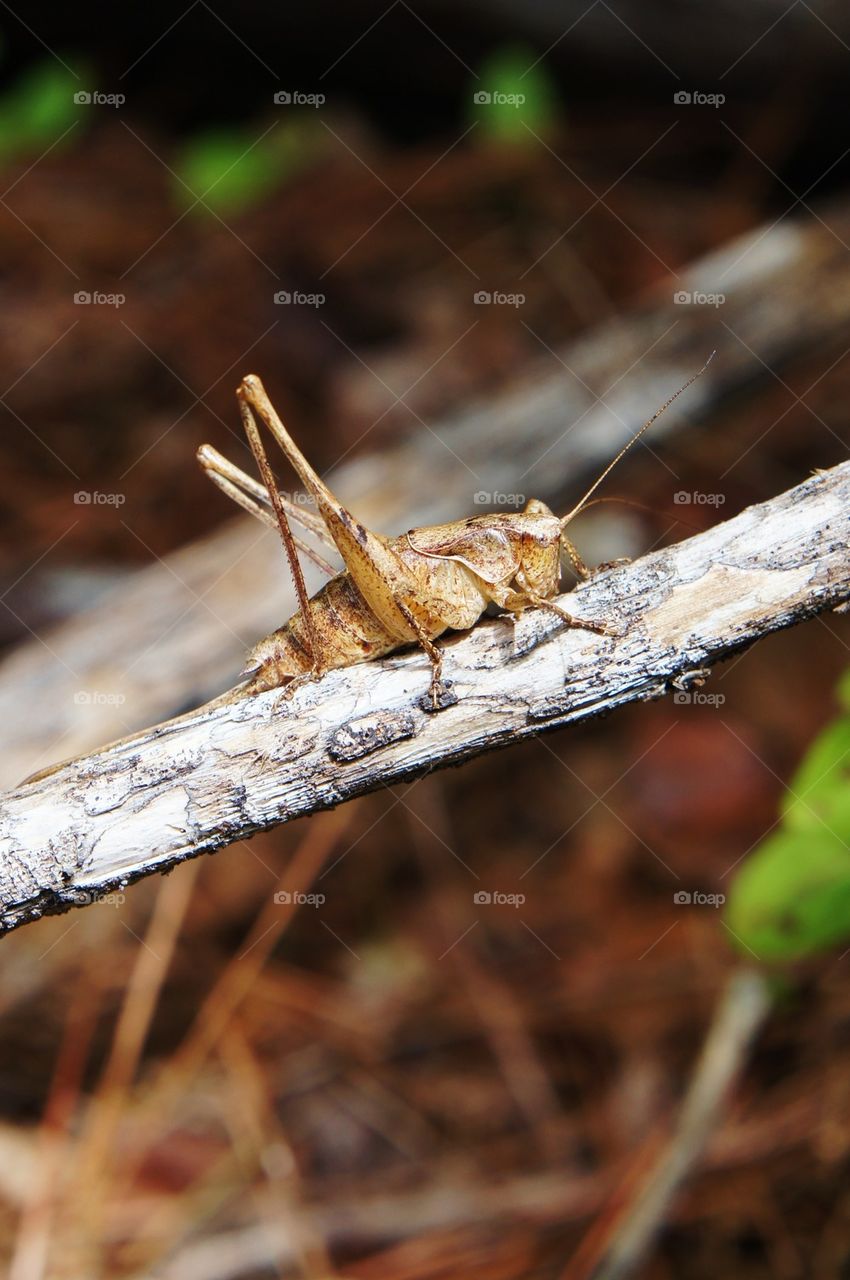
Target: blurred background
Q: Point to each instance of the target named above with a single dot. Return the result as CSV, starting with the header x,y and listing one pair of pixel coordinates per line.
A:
x,y
468,248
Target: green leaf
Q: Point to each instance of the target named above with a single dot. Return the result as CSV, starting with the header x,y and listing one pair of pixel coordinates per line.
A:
x,y
843,690
38,109
232,169
513,94
792,896
818,795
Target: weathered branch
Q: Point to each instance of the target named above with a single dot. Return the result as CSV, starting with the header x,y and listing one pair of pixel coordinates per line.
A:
x,y
223,772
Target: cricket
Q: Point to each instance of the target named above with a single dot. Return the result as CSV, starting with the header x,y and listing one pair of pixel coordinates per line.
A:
x,y
395,591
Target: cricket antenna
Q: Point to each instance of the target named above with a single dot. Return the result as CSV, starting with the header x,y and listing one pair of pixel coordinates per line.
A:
x,y
637,435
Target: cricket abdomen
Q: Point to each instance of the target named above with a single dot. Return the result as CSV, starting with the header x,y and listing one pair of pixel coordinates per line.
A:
x,y
348,632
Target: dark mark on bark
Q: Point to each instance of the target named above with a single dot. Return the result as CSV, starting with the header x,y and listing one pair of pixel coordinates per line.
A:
x,y
361,737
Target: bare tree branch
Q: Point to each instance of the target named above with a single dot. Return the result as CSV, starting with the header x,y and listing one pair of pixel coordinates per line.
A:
x,y
225,771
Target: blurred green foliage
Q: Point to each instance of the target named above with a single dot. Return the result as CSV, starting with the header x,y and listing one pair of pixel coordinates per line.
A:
x,y
792,896
231,169
513,94
37,109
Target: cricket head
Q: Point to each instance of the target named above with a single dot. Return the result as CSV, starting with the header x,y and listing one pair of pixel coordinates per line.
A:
x,y
539,547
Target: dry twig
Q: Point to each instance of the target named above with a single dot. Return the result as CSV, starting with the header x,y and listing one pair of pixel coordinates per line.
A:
x,y
616,1249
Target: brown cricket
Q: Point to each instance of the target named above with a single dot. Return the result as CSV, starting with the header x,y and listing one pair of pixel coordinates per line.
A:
x,y
410,589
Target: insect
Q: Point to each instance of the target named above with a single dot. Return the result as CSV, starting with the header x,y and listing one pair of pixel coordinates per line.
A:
x,y
397,591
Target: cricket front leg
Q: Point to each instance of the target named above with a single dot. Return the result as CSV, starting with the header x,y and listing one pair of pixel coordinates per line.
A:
x,y
583,570
580,569
612,564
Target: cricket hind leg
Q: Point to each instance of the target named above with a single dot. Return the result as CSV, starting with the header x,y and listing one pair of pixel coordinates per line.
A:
x,y
254,400
379,573
376,570
312,640
252,497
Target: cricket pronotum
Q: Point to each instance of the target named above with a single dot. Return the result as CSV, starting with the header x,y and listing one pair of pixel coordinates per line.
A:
x,y
410,589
